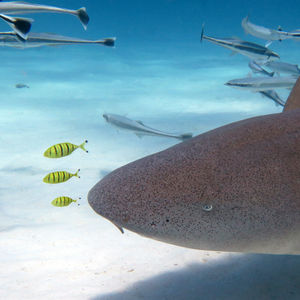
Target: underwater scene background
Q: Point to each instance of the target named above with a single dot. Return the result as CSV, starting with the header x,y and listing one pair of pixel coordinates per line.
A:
x,y
159,73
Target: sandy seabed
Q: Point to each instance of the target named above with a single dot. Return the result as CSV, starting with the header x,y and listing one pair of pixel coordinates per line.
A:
x,y
71,253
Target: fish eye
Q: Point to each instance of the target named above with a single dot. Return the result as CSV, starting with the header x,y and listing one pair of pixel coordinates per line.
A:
x,y
207,207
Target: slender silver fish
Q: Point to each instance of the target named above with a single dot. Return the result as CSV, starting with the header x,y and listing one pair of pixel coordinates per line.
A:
x,y
20,25
258,84
16,7
257,68
252,50
282,67
269,34
271,94
294,35
139,128
10,39
263,32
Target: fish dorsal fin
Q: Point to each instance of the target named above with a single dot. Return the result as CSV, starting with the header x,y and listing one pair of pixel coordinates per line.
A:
x,y
268,43
293,101
140,122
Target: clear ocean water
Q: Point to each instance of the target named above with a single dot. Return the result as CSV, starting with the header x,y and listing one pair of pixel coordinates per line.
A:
x,y
159,73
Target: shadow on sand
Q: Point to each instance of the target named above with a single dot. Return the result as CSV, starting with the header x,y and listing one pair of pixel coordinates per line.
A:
x,y
251,276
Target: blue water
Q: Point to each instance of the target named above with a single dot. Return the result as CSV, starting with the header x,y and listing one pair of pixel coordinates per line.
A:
x,y
159,73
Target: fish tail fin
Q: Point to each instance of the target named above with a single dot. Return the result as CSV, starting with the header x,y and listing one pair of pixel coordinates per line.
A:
x,y
185,136
272,74
110,42
202,32
83,17
21,26
82,146
76,174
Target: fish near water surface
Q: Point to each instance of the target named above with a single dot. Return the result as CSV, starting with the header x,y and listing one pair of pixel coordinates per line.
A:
x,y
21,26
16,7
139,128
269,34
235,188
10,39
263,32
249,49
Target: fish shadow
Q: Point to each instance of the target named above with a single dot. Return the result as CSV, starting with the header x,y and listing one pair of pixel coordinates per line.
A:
x,y
249,276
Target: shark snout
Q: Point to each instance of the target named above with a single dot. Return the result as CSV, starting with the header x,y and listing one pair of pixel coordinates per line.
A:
x,y
110,199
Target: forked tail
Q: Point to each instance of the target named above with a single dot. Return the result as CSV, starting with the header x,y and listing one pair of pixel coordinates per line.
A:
x,y
83,17
110,42
20,25
76,174
82,146
185,136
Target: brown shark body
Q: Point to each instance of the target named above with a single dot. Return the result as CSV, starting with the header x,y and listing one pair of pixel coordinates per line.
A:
x,y
235,188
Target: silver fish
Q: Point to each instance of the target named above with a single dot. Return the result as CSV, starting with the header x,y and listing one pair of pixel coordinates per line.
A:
x,y
139,128
263,32
257,68
271,94
269,34
258,84
16,7
21,86
252,50
294,35
20,25
10,39
282,67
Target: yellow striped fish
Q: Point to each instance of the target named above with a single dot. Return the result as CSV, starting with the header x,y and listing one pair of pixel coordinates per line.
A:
x,y
59,176
62,201
63,149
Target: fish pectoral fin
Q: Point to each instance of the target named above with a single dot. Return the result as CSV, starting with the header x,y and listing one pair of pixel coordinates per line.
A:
x,y
140,122
268,43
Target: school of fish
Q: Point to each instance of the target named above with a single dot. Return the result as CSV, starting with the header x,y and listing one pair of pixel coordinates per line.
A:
x,y
261,57
21,37
58,151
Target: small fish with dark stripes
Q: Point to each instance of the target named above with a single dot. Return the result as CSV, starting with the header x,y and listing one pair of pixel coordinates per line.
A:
x,y
59,176
62,201
63,149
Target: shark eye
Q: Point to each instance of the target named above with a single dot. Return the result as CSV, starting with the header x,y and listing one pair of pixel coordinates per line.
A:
x,y
207,207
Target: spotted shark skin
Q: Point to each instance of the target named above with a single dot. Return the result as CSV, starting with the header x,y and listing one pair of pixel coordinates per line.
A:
x,y
235,188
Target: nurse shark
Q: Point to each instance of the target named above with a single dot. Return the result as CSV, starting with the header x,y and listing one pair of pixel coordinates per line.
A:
x,y
235,188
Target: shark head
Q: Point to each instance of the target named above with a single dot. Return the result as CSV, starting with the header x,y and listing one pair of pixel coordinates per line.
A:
x,y
235,188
